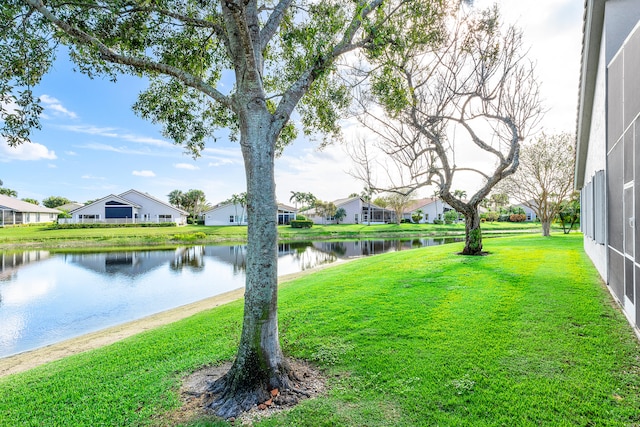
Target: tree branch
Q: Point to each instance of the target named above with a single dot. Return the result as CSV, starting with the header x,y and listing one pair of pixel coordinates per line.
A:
x,y
295,92
272,24
141,64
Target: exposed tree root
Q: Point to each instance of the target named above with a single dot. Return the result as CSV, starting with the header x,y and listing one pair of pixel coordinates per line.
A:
x,y
207,392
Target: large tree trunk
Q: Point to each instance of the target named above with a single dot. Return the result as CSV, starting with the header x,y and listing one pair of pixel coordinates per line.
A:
x,y
473,234
546,227
259,366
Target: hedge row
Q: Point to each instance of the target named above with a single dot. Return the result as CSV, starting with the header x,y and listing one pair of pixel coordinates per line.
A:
x,y
301,223
102,225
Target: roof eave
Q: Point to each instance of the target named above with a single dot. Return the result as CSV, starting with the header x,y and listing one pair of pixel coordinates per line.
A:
x,y
591,41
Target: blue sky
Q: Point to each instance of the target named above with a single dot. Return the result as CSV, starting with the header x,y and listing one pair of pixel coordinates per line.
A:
x,y
92,145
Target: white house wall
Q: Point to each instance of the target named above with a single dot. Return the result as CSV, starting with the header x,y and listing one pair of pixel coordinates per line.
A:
x,y
97,209
152,208
354,211
596,156
222,214
352,208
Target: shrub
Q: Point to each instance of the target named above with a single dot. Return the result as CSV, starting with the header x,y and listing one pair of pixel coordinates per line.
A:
x,y
300,218
492,216
190,236
450,216
438,221
305,223
103,225
517,217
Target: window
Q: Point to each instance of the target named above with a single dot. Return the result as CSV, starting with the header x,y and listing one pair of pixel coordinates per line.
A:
x,y
592,221
164,218
232,218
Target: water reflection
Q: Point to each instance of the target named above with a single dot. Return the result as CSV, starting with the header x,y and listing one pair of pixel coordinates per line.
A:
x,y
46,298
10,262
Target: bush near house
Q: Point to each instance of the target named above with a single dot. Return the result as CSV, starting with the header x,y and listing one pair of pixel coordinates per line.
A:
x,y
305,223
103,225
517,217
491,216
450,217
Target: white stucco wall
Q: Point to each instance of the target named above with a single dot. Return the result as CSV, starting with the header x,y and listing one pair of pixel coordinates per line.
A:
x,y
152,208
95,209
353,208
596,156
221,215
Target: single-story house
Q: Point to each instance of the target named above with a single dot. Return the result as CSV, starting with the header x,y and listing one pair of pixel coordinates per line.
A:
x,y
358,212
530,213
236,214
16,212
431,209
607,170
129,207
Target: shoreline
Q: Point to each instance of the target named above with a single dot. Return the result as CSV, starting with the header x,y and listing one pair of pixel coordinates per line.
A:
x,y
33,358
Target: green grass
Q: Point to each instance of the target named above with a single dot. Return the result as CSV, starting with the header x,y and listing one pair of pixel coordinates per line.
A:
x,y
526,336
46,237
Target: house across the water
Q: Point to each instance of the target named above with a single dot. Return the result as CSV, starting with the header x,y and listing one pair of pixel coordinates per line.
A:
x,y
18,212
130,207
236,214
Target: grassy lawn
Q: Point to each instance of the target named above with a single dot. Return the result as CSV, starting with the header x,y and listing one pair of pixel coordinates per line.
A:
x,y
44,236
526,336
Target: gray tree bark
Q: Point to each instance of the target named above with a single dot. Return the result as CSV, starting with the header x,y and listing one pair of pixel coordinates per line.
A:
x,y
259,365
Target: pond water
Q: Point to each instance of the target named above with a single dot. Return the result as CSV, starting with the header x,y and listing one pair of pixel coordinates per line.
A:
x,y
46,298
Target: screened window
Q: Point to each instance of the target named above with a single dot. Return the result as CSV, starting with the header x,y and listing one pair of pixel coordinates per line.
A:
x,y
592,215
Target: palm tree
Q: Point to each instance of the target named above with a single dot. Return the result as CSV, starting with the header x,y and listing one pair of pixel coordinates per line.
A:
x,y
309,199
436,197
176,198
297,197
459,194
9,192
366,195
239,199
499,200
194,201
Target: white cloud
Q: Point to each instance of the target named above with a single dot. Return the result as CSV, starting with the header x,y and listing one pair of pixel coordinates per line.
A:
x,y
100,178
25,151
53,104
146,140
91,130
220,162
110,132
122,150
222,156
187,166
146,174
70,153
